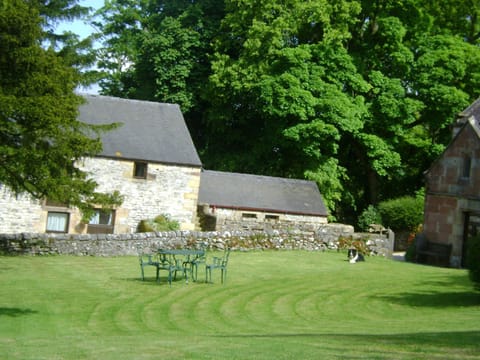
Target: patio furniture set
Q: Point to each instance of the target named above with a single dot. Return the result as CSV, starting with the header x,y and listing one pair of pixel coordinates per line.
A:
x,y
185,261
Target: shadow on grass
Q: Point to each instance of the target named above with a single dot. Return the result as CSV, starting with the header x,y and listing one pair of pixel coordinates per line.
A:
x,y
15,312
442,339
151,281
435,299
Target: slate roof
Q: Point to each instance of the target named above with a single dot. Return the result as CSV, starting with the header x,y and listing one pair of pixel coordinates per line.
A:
x,y
150,131
260,193
468,117
472,110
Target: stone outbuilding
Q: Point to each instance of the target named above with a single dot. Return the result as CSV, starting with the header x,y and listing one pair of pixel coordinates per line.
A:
x,y
234,201
452,198
150,159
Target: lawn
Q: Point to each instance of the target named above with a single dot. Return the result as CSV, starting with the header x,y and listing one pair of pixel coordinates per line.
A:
x,y
275,305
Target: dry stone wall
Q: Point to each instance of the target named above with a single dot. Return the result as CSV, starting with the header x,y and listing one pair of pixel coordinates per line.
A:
x,y
326,237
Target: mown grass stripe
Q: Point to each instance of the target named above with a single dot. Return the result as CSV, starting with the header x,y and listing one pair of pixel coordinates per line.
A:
x,y
275,305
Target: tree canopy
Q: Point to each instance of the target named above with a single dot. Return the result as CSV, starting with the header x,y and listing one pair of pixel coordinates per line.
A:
x,y
41,138
356,95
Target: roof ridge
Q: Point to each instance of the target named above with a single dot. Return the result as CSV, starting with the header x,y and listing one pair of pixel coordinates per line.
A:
x,y
228,173
470,109
114,98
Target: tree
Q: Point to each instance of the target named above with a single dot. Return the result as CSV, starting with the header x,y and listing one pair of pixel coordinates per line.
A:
x,y
76,52
416,63
357,95
287,92
41,138
159,51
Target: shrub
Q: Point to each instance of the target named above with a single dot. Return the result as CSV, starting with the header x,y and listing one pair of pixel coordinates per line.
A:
x,y
160,223
369,216
345,243
473,260
402,214
413,239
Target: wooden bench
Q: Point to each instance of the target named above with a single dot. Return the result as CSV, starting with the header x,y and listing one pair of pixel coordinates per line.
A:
x,y
433,253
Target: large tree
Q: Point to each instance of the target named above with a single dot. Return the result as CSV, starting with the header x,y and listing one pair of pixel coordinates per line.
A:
x,y
40,136
422,72
285,91
354,94
159,51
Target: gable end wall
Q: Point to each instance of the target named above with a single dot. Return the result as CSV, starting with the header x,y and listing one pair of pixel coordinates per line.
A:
x,y
449,195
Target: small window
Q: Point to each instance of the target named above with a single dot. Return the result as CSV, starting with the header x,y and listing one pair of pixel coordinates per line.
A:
x,y
467,164
140,170
101,222
249,216
57,222
272,217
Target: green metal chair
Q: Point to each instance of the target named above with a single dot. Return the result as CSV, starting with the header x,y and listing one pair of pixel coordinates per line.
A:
x,y
194,263
175,266
148,260
220,263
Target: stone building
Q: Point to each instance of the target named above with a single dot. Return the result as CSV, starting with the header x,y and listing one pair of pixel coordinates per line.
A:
x,y
150,159
452,199
233,201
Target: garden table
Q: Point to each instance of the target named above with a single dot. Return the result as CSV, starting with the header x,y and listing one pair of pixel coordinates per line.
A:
x,y
182,260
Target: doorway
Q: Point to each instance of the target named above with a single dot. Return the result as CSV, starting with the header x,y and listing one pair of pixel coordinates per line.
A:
x,y
471,228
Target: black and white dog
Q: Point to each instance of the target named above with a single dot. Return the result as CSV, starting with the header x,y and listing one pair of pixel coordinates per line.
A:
x,y
354,256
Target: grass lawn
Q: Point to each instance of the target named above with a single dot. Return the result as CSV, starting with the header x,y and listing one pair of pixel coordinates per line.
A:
x,y
275,305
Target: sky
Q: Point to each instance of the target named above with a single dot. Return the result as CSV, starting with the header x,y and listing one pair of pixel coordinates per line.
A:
x,y
82,29
78,26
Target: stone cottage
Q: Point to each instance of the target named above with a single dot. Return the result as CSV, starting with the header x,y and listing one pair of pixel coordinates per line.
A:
x,y
233,201
150,159
452,199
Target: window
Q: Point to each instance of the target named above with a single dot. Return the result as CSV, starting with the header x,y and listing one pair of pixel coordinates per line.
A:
x,y
101,222
467,164
272,217
249,216
57,222
140,170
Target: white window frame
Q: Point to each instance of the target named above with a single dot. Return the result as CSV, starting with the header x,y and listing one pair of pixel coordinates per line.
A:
x,y
57,222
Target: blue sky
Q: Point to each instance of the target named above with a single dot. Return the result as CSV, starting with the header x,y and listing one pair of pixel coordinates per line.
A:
x,y
83,30
79,27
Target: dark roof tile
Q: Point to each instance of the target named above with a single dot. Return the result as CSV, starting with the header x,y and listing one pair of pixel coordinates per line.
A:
x,y
150,131
261,193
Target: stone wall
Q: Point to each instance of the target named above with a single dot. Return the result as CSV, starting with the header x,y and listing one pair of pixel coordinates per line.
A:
x,y
325,237
221,219
19,213
168,189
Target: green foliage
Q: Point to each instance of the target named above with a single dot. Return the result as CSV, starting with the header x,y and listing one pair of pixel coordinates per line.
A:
x,y
159,223
411,251
369,216
40,137
74,51
473,260
402,214
355,95
345,243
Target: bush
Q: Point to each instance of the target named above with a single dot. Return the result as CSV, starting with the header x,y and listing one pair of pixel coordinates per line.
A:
x,y
402,214
473,260
160,223
345,243
369,216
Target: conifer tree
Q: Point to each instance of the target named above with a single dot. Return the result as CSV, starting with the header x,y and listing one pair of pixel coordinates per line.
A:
x,y
40,136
